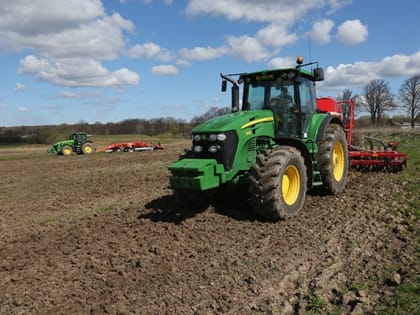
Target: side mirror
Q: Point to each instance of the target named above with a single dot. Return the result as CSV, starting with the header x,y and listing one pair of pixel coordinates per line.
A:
x,y
224,85
318,74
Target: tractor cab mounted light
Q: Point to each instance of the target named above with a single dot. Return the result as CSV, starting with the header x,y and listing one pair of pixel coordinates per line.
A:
x,y
299,60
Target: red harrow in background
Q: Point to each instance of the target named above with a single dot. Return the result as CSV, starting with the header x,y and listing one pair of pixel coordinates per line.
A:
x,y
130,147
377,155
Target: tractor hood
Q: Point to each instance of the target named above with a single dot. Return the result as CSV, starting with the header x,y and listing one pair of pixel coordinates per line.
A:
x,y
235,121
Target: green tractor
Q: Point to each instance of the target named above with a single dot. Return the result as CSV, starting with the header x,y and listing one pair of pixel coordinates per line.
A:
x,y
77,143
279,145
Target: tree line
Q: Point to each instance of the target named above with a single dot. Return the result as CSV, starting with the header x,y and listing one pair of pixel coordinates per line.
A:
x,y
376,100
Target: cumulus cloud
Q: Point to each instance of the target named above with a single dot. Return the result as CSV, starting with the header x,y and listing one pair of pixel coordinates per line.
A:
x,y
78,95
203,53
360,73
68,41
276,35
76,72
165,70
100,39
20,87
280,62
247,48
321,31
45,17
352,32
22,109
150,51
284,11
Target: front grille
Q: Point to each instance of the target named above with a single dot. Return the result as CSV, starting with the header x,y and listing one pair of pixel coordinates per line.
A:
x,y
226,152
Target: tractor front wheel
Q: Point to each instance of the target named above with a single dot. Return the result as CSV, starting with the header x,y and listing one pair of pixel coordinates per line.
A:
x,y
278,183
67,150
333,159
87,148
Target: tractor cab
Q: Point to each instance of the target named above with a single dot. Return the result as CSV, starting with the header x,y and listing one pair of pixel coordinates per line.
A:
x,y
289,93
78,137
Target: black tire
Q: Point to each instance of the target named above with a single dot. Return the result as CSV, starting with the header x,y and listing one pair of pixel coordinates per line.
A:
x,y
87,148
66,150
278,183
333,160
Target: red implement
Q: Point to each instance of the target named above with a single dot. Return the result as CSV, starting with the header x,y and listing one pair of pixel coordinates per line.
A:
x,y
377,154
130,147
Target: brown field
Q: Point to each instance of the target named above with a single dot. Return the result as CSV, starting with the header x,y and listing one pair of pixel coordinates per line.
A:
x,y
101,234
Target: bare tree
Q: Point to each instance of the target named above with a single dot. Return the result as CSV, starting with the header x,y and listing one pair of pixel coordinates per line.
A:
x,y
377,99
410,97
211,113
346,95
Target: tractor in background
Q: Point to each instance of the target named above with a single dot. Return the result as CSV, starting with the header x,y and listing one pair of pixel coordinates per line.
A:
x,y
77,143
277,144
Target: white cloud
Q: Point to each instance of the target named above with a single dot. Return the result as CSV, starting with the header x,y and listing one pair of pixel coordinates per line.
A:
x,y
284,11
76,72
149,51
184,63
100,39
321,31
164,70
79,95
279,62
20,87
360,73
22,109
338,4
352,32
68,41
203,53
43,16
276,35
247,48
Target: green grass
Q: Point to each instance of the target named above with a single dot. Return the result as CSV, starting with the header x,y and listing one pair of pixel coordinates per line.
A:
x,y
406,299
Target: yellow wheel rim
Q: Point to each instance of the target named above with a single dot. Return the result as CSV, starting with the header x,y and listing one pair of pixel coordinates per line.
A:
x,y
338,161
88,149
290,185
66,151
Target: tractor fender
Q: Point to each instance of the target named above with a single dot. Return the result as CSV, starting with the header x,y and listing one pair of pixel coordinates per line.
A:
x,y
329,119
305,153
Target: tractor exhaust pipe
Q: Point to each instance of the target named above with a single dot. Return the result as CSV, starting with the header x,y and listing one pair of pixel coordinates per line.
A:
x,y
234,92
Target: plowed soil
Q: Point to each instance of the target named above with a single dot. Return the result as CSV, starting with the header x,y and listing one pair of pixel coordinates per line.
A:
x,y
102,234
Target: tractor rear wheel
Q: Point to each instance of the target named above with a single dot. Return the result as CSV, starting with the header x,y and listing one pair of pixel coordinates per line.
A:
x,y
278,183
87,148
67,150
333,160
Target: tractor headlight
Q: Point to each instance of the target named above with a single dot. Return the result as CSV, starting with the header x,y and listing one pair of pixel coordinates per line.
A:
x,y
198,149
196,137
221,137
212,137
213,149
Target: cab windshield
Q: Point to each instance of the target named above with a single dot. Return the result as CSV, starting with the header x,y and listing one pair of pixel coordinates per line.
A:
x,y
262,94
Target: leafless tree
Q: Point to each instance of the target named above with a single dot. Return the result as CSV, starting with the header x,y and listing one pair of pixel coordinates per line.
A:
x,y
211,113
346,95
377,99
410,97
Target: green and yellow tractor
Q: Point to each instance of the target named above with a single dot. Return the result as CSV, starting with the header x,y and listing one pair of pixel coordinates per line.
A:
x,y
278,145
77,143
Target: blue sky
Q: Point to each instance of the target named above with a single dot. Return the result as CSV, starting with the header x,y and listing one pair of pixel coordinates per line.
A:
x,y
110,60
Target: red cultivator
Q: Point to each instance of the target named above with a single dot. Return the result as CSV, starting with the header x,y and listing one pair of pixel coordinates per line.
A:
x,y
130,147
376,154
